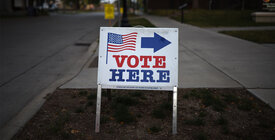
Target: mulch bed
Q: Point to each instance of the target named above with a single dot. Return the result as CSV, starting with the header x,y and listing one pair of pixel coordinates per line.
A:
x,y
125,114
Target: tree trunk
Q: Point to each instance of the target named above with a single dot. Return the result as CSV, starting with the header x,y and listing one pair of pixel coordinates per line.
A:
x,y
243,4
210,4
77,5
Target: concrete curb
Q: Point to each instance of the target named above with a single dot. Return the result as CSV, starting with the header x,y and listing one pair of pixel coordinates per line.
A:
x,y
18,122
265,95
86,81
95,51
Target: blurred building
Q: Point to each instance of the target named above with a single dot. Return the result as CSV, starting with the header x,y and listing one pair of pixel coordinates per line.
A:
x,y
6,6
20,6
204,4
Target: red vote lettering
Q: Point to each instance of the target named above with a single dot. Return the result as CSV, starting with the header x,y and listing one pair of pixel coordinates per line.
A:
x,y
120,63
129,61
159,62
145,62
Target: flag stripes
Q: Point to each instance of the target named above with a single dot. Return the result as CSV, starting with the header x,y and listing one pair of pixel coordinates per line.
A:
x,y
118,43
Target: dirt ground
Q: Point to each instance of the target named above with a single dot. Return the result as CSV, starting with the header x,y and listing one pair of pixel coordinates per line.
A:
x,y
202,114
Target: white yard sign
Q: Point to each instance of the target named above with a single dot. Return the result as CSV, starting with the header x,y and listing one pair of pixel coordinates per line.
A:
x,y
138,58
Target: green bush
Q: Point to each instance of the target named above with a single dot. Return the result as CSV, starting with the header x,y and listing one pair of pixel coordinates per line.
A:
x,y
122,114
262,36
200,136
245,105
196,121
222,121
159,113
57,126
229,98
154,129
212,18
79,110
83,93
162,110
92,96
209,100
126,100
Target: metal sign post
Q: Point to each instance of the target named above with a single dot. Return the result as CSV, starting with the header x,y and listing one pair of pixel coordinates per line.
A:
x,y
182,11
98,105
174,123
118,11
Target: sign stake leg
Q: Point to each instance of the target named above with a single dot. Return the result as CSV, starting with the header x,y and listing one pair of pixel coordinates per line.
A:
x,y
98,105
174,127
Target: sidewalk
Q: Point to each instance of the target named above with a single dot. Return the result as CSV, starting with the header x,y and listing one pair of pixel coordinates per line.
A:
x,y
212,60
249,64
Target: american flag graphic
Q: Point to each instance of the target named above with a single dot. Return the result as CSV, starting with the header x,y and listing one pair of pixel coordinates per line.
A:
x,y
118,43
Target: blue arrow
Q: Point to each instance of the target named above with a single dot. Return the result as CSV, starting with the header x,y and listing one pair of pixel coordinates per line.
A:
x,y
157,42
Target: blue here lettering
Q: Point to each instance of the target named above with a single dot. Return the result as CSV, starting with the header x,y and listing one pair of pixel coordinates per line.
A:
x,y
115,74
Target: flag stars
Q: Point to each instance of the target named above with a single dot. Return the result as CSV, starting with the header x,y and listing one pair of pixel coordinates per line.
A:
x,y
115,38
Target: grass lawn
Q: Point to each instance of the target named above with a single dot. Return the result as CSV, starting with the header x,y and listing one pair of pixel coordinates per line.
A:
x,y
74,11
140,21
135,20
265,36
213,18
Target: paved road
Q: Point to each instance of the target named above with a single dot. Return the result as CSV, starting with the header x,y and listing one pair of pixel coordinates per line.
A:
x,y
36,51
